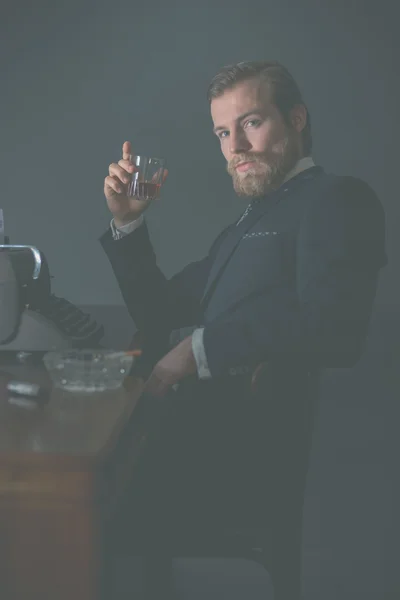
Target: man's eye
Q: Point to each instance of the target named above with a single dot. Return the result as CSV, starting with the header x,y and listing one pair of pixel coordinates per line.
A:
x,y
221,135
253,122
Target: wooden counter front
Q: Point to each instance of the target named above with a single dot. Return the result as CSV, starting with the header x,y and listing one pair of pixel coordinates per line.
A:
x,y
64,467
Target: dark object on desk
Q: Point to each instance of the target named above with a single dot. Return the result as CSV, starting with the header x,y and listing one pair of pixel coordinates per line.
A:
x,y
32,318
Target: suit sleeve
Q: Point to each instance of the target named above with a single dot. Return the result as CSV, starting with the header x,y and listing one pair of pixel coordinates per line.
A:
x,y
156,304
324,322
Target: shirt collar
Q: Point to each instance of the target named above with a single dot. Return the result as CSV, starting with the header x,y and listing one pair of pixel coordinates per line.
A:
x,y
304,163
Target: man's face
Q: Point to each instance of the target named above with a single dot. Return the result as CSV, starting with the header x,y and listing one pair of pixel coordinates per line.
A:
x,y
259,147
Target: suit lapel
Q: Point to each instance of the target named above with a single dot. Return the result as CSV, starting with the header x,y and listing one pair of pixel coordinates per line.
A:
x,y
233,238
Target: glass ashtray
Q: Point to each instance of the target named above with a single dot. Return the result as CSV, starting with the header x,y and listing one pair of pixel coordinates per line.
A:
x,y
88,371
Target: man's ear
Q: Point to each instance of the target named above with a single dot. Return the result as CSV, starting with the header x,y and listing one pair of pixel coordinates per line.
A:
x,y
298,117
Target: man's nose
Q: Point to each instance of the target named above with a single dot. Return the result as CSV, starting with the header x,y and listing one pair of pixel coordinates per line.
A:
x,y
238,142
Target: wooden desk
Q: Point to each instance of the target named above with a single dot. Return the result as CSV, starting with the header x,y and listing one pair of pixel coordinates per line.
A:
x,y
63,469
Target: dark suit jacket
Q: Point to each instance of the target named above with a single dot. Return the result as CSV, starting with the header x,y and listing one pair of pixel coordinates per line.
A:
x,y
294,281
293,284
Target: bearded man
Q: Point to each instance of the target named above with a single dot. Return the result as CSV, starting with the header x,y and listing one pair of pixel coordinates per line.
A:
x,y
290,286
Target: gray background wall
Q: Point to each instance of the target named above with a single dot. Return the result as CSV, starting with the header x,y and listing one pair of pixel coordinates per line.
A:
x,y
81,77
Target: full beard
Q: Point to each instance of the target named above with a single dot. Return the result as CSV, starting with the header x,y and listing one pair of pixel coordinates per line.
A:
x,y
268,173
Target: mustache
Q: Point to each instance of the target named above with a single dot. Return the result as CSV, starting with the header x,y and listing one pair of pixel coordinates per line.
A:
x,y
247,158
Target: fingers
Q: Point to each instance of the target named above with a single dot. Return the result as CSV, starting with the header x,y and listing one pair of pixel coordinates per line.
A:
x,y
164,177
114,184
127,165
126,150
117,180
121,171
156,179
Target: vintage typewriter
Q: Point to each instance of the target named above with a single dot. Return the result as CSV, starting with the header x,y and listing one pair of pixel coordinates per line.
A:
x,y
32,319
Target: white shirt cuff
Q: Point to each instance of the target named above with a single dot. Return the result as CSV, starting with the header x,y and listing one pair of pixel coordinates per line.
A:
x,y
200,354
119,232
